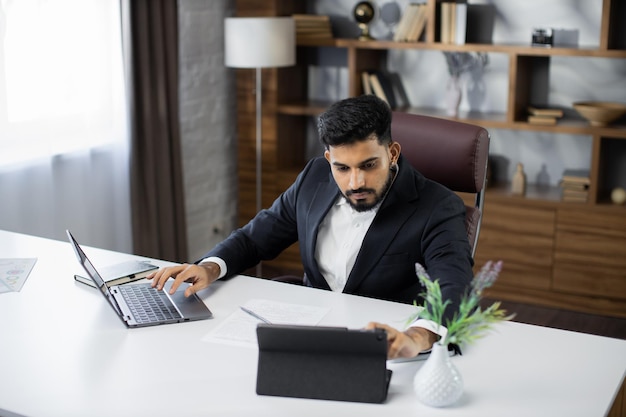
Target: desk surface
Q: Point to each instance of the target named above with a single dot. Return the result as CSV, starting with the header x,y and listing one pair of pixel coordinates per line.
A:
x,y
64,353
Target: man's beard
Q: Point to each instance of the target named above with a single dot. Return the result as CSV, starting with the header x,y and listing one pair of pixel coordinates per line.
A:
x,y
362,206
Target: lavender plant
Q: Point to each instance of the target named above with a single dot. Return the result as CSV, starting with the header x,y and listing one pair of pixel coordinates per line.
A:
x,y
470,321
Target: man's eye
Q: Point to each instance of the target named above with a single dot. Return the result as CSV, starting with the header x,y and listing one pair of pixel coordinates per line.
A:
x,y
369,165
342,169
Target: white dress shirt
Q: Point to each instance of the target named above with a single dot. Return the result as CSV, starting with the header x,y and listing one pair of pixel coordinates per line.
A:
x,y
339,240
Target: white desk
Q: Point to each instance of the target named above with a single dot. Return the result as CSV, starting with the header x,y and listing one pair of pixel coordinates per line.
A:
x,y
64,353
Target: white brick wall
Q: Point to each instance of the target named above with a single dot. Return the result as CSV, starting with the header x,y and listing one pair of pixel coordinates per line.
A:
x,y
208,125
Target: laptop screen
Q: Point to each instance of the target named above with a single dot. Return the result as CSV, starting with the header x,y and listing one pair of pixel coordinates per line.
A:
x,y
91,271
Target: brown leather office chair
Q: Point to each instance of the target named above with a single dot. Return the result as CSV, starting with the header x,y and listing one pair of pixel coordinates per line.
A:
x,y
451,153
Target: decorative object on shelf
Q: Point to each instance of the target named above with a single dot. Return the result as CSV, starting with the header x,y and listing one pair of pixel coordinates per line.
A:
x,y
259,42
312,28
548,37
600,113
544,115
618,196
454,94
390,14
575,185
460,63
364,13
438,382
518,184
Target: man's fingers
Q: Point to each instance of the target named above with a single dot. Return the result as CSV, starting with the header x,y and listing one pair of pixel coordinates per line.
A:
x,y
162,275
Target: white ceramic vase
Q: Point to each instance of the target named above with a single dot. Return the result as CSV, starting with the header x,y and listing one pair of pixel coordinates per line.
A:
x,y
438,382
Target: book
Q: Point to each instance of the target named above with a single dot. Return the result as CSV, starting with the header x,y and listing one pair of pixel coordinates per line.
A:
x,y
452,27
578,194
575,196
367,86
121,273
377,87
545,111
418,24
312,27
446,15
383,88
574,186
578,176
405,23
460,30
542,120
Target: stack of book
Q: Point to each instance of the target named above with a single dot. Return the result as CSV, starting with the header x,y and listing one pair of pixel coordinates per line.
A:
x,y
453,22
543,115
575,185
379,84
311,27
412,23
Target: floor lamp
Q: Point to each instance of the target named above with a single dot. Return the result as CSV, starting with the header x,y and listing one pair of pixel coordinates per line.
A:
x,y
259,42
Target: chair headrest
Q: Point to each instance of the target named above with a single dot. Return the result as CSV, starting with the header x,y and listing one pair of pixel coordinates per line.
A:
x,y
451,153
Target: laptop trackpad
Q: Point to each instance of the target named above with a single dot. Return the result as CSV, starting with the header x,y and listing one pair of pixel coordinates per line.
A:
x,y
191,307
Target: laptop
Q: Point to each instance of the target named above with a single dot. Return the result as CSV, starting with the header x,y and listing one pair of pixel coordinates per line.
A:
x,y
329,363
140,305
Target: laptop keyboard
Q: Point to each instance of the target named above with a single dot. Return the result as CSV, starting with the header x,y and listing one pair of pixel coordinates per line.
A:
x,y
148,304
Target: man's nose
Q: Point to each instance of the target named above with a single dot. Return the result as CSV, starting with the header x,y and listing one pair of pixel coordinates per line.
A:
x,y
356,179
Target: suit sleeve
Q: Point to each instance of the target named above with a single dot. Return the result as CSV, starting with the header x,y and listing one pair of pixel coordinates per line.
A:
x,y
270,232
446,250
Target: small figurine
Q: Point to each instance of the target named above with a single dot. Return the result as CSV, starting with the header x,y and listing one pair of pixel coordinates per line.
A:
x,y
518,185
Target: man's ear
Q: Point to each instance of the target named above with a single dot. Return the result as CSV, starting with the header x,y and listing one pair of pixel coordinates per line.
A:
x,y
394,151
327,155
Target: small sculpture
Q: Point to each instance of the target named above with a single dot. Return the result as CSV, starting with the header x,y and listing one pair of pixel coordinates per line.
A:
x,y
364,14
518,185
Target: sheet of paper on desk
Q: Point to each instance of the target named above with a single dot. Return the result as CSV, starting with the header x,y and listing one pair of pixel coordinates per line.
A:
x,y
14,272
240,327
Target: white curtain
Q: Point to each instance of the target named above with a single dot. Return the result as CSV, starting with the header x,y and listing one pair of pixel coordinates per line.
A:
x,y
63,121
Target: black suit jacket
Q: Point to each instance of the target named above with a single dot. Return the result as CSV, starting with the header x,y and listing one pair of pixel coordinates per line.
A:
x,y
419,221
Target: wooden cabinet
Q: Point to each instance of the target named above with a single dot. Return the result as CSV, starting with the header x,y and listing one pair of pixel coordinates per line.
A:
x,y
590,253
556,253
523,238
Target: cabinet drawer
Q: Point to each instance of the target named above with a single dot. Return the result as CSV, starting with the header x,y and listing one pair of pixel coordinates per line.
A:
x,y
590,253
590,249
527,260
519,220
609,224
523,238
590,280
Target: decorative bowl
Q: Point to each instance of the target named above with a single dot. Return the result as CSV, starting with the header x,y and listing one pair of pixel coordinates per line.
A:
x,y
600,113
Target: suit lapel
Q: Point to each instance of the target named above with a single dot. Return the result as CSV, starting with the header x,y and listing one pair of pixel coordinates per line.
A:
x,y
325,195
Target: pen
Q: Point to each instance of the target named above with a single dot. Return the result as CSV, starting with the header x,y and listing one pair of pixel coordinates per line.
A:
x,y
255,315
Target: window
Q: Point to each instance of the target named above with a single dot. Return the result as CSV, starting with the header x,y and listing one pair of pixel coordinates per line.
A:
x,y
61,78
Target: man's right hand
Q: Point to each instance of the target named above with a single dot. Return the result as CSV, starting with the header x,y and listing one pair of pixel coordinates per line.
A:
x,y
200,276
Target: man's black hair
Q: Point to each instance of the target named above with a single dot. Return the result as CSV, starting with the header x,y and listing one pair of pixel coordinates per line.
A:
x,y
355,119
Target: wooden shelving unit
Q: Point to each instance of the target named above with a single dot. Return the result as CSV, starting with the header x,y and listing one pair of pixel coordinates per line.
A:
x,y
557,254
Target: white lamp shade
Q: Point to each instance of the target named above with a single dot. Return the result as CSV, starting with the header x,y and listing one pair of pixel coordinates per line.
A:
x,y
259,42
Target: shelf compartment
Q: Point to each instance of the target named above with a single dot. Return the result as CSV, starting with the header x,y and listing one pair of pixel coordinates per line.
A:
x,y
611,168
